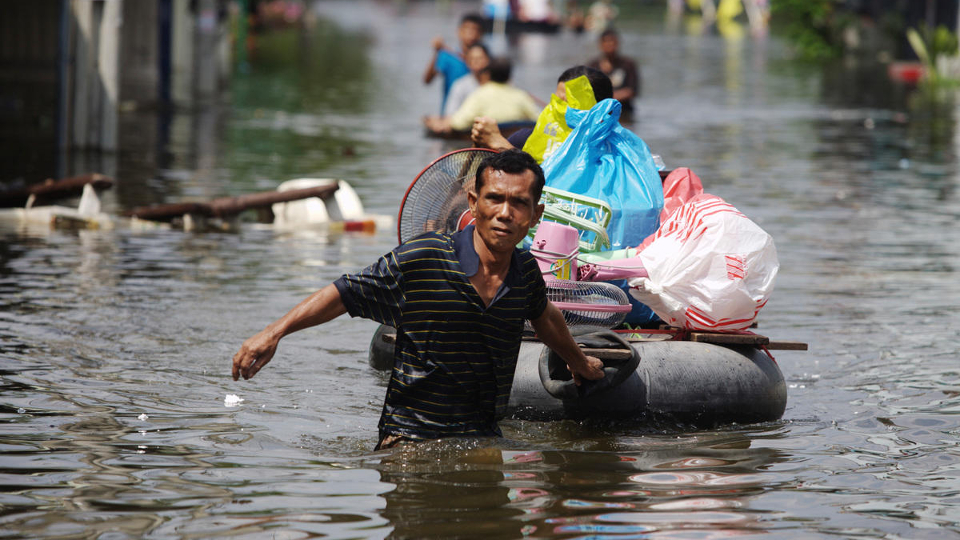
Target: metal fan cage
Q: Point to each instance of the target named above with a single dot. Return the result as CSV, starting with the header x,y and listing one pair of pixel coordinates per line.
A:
x,y
437,198
588,305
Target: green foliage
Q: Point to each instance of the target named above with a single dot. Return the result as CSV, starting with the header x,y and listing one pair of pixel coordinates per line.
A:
x,y
815,26
943,42
931,43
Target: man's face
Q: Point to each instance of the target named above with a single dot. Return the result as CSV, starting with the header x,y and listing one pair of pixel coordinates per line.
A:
x,y
469,33
504,208
609,45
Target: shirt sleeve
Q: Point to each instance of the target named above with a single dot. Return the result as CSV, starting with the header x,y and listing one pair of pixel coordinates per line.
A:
x,y
537,299
442,64
519,137
375,292
450,66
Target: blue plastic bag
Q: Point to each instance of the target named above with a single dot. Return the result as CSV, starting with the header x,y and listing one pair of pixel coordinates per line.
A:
x,y
603,160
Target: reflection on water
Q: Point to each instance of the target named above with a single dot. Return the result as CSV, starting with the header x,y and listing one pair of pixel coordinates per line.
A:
x,y
115,345
637,488
299,104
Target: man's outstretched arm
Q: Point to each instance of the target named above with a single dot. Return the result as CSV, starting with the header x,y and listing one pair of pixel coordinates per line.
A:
x,y
553,332
258,350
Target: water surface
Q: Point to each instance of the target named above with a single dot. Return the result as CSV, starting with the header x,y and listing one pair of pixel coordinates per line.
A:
x,y
115,345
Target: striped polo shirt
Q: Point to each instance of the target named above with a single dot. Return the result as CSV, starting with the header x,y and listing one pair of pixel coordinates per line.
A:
x,y
455,358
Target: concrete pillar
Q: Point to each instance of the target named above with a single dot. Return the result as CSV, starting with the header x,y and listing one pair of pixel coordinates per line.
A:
x,y
63,87
206,66
224,51
96,73
139,56
183,25
85,86
109,64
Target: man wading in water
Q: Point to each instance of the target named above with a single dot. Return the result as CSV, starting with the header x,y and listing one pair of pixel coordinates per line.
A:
x,y
458,302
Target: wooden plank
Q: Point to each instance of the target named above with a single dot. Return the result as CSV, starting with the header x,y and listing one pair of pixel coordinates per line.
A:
x,y
229,206
168,212
787,345
51,189
715,338
755,340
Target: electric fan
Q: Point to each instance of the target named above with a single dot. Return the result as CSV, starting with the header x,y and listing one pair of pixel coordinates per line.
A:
x,y
437,201
588,306
437,198
584,304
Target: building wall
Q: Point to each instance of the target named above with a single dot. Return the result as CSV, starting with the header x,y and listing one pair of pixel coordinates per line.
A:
x,y
29,41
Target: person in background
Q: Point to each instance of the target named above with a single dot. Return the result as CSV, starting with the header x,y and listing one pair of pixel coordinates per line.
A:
x,y
576,18
458,302
494,99
448,64
623,72
478,59
600,15
485,132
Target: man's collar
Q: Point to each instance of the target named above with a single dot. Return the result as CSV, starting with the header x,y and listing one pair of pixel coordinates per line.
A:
x,y
470,261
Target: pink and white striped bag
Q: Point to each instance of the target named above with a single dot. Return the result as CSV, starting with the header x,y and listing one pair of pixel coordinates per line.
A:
x,y
710,267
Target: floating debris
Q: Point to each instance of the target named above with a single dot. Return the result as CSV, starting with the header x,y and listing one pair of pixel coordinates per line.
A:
x,y
232,400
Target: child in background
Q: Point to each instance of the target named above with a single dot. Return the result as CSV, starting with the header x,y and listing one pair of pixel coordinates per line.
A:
x,y
448,64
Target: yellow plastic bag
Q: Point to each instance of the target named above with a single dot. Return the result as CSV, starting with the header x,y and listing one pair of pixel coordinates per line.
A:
x,y
551,128
729,9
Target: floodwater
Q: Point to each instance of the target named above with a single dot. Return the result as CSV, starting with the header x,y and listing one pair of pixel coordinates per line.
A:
x,y
115,346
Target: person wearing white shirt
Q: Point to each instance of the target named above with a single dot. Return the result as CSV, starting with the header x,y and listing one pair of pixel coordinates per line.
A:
x,y
477,58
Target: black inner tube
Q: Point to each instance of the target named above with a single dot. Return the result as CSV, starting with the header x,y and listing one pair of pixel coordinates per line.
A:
x,y
558,381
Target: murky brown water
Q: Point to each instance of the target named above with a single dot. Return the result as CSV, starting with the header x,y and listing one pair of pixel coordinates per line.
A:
x,y
115,345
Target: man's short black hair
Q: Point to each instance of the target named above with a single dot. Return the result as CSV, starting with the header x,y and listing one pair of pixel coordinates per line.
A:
x,y
474,18
609,32
512,161
602,87
499,69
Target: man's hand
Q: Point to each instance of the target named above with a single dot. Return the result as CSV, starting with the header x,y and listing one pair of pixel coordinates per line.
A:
x,y
255,353
553,331
437,124
592,370
486,134
437,43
